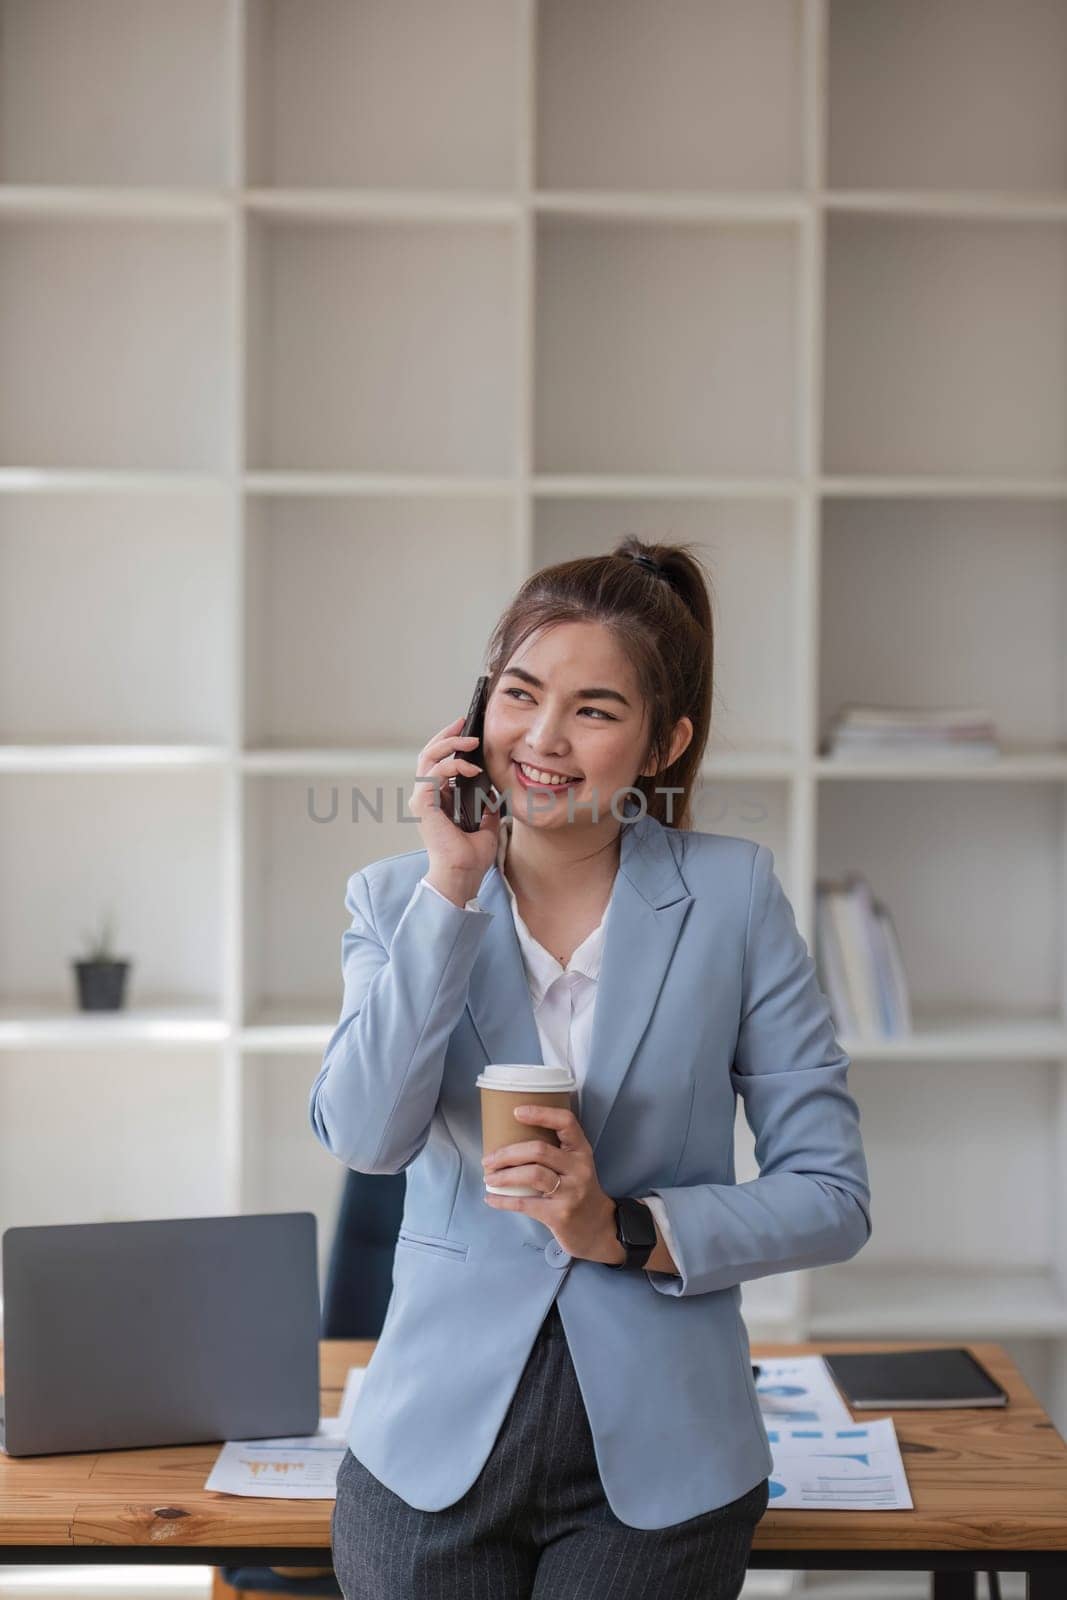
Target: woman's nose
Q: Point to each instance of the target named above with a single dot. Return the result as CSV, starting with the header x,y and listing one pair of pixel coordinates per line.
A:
x,y
547,742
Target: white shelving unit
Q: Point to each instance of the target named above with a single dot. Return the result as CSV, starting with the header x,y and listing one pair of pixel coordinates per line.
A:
x,y
321,325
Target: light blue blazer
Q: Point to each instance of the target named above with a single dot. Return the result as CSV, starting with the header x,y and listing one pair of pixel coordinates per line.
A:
x,y
706,991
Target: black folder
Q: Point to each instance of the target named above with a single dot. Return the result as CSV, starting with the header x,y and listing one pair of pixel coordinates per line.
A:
x,y
915,1380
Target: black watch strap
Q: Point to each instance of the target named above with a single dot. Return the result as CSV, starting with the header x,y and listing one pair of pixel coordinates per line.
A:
x,y
635,1229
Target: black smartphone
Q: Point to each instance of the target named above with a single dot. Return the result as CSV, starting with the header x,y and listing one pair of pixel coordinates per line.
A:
x,y
466,811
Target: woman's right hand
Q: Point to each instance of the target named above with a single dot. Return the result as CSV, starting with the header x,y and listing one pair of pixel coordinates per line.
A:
x,y
458,860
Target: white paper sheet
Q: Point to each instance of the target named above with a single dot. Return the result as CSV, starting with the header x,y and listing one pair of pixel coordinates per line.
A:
x,y
853,1468
298,1468
798,1390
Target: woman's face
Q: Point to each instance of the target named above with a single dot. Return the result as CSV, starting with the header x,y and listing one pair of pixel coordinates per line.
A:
x,y
543,715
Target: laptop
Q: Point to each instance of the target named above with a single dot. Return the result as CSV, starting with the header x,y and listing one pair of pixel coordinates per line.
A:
x,y
127,1334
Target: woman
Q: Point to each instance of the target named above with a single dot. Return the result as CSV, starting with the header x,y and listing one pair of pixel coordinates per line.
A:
x,y
561,1401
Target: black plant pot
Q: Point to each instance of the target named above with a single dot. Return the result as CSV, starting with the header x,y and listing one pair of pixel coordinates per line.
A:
x,y
101,984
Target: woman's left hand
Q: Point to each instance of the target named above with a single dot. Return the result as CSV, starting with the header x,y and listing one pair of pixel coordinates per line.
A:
x,y
579,1213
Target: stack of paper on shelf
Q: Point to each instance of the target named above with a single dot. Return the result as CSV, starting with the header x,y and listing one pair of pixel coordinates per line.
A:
x,y
859,960
900,733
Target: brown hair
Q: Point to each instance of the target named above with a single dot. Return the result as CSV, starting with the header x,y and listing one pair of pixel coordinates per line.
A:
x,y
663,622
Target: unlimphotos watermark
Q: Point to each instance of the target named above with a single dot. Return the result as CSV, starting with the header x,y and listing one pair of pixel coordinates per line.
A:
x,y
625,805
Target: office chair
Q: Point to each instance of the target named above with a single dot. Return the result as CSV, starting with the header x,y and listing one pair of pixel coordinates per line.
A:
x,y
359,1281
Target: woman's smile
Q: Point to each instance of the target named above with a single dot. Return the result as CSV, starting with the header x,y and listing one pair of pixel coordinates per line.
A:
x,y
528,781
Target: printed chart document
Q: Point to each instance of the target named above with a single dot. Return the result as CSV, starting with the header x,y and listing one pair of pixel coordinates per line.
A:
x,y
799,1389
857,1468
300,1468
822,1459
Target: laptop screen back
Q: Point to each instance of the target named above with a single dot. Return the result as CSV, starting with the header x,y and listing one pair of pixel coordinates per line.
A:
x,y
125,1334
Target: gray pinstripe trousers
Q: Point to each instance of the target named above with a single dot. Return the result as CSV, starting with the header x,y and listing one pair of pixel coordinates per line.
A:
x,y
535,1524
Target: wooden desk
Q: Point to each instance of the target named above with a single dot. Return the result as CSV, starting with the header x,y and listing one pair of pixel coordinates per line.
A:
x,y
989,1486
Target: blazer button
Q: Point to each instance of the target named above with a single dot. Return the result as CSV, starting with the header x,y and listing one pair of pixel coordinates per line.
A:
x,y
556,1256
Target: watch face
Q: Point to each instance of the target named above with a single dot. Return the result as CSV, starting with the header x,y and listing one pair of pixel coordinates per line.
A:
x,y
636,1226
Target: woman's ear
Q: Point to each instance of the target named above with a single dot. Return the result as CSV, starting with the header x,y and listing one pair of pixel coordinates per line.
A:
x,y
680,739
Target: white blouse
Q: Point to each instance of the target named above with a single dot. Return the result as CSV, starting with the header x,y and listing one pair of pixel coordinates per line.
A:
x,y
563,1000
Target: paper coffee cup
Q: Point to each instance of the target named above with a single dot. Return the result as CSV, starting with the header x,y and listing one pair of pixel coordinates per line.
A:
x,y
514,1084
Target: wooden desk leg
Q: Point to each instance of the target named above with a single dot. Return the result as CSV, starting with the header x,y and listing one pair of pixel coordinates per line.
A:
x,y
952,1586
1047,1583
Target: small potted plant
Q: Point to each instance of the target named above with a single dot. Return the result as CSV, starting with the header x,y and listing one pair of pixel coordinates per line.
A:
x,y
101,975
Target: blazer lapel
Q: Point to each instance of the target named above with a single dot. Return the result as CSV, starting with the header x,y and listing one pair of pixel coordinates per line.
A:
x,y
648,906
498,995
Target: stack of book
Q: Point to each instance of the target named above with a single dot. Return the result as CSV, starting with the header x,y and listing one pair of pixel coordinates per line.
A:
x,y
880,733
858,957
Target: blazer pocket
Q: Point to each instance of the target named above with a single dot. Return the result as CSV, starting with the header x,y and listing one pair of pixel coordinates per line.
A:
x,y
449,1248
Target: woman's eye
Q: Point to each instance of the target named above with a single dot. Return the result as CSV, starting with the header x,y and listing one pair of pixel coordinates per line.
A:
x,y
595,709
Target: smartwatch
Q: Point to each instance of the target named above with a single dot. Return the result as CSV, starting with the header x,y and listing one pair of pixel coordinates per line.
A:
x,y
635,1229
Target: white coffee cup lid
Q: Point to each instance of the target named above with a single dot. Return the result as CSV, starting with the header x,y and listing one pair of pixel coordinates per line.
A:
x,y
526,1077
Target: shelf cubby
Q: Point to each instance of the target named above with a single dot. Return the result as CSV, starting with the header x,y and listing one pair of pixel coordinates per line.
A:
x,y
114,343
380,346
948,95
147,846
325,664
952,1127
946,347
106,1137
130,597
382,95
941,856
926,597
681,97
666,348
100,93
